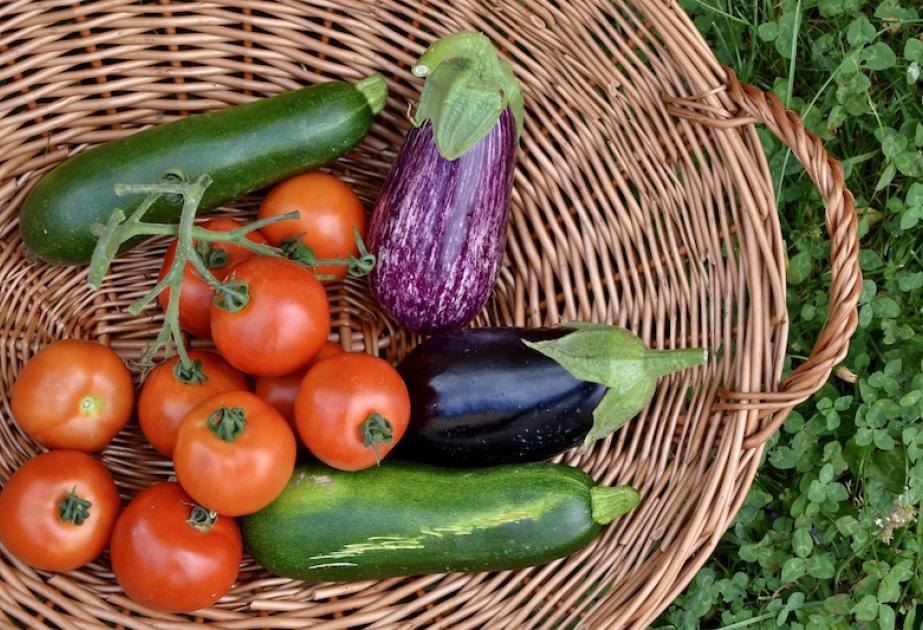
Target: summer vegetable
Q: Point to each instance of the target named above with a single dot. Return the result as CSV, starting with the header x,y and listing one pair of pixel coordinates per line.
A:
x,y
58,510
280,391
407,519
172,555
234,453
197,294
170,391
439,226
243,148
276,319
73,394
330,216
488,396
231,294
351,410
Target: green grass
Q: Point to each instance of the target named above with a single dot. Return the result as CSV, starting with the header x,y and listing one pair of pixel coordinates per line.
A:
x,y
829,536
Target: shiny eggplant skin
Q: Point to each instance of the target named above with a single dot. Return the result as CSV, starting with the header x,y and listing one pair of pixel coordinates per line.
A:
x,y
481,397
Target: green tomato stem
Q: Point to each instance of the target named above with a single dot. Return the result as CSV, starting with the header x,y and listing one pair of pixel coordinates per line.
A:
x,y
201,268
227,423
73,509
235,235
213,257
233,295
170,334
202,519
193,246
191,374
357,266
376,431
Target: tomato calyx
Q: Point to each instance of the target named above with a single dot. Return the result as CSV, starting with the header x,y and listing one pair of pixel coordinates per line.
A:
x,y
376,431
357,266
189,374
212,257
233,295
227,423
202,519
74,509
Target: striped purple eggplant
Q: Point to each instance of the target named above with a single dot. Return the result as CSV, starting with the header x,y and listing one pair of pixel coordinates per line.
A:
x,y
439,227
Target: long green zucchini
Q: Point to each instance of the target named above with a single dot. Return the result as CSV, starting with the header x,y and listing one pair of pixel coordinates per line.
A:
x,y
407,519
243,148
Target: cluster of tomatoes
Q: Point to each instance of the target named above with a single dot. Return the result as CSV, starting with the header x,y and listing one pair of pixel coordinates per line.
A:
x,y
227,420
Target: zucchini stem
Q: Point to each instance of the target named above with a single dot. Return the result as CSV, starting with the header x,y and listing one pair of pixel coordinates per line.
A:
x,y
609,503
375,90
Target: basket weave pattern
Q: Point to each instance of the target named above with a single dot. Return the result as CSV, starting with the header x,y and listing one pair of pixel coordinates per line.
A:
x,y
631,205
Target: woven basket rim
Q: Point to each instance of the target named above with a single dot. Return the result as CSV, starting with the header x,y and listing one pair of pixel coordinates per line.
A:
x,y
642,197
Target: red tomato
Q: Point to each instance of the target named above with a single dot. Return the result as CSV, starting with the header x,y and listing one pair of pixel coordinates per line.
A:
x,y
234,453
165,400
197,294
58,510
73,394
351,410
172,555
283,324
280,391
329,212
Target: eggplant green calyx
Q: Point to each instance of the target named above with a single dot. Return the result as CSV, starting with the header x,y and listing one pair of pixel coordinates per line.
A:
x,y
618,359
468,87
609,503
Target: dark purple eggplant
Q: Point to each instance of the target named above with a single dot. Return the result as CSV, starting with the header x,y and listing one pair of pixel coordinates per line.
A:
x,y
490,396
439,227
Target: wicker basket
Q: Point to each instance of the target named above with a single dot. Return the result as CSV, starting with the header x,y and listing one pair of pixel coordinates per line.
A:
x,y
631,206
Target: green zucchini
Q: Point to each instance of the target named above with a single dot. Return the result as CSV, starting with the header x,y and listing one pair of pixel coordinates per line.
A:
x,y
408,519
243,148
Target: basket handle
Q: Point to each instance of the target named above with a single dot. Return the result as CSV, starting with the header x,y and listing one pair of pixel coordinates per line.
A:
x,y
756,106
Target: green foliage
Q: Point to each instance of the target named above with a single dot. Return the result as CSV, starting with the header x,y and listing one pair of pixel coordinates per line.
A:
x,y
829,536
